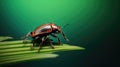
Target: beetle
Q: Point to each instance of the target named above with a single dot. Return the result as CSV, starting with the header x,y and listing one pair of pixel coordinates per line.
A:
x,y
43,32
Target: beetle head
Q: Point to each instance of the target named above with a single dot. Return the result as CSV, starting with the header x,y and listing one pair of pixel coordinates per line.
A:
x,y
58,29
32,34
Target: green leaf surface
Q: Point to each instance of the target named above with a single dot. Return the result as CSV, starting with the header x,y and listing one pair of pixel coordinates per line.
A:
x,y
16,51
3,38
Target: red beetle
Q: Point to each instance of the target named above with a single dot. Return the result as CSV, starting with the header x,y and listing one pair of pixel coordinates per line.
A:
x,y
42,33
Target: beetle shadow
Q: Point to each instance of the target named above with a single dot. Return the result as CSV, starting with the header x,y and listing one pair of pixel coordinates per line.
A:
x,y
46,42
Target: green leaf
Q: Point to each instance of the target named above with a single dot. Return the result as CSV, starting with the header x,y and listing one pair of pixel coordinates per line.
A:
x,y
16,51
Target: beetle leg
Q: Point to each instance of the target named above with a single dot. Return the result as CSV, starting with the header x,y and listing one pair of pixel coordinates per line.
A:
x,y
33,44
34,40
40,46
64,36
25,37
56,37
50,42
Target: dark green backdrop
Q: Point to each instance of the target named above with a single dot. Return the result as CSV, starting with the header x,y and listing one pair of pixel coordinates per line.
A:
x,y
93,24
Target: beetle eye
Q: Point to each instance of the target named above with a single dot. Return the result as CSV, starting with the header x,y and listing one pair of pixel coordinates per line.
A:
x,y
31,33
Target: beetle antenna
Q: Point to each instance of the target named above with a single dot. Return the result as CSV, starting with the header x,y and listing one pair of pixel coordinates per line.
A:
x,y
64,26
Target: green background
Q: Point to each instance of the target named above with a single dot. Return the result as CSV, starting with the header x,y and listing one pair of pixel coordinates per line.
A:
x,y
93,24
